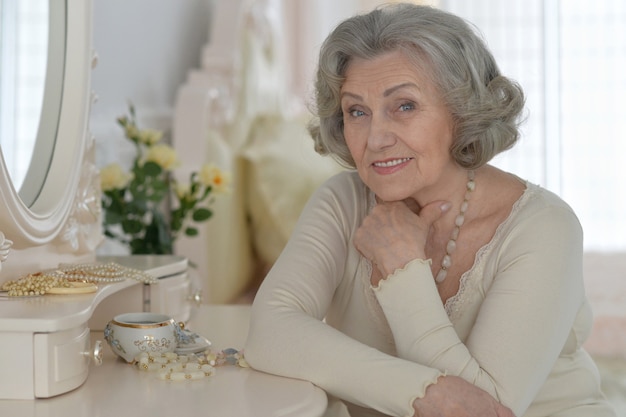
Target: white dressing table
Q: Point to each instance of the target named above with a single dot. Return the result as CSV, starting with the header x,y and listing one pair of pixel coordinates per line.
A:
x,y
119,389
47,343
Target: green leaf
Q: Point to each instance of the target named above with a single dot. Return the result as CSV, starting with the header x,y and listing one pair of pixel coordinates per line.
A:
x,y
112,217
159,185
186,205
152,169
191,231
131,226
207,191
194,188
176,223
138,206
157,196
201,214
139,177
139,247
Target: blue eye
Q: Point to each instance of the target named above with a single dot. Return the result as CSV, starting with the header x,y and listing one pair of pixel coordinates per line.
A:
x,y
407,106
356,113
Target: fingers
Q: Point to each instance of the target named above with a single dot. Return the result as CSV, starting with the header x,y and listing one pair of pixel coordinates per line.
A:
x,y
454,397
433,211
393,234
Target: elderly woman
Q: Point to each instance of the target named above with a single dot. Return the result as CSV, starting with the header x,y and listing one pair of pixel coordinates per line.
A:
x,y
426,282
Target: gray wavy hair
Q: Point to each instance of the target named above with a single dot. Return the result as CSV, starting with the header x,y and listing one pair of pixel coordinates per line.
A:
x,y
485,106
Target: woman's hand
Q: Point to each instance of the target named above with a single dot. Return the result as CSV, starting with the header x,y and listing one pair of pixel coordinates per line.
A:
x,y
452,396
393,234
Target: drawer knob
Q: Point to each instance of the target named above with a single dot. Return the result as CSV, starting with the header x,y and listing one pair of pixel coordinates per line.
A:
x,y
196,297
97,353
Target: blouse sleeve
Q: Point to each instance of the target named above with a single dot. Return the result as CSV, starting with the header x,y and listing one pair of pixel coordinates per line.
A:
x,y
524,320
288,336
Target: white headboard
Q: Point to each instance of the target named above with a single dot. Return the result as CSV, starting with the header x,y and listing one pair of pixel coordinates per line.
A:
x,y
235,112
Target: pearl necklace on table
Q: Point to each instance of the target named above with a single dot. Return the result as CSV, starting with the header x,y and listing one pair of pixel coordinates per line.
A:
x,y
171,366
34,285
103,273
73,279
446,262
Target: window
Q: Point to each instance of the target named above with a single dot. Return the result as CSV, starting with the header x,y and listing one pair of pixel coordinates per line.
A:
x,y
570,58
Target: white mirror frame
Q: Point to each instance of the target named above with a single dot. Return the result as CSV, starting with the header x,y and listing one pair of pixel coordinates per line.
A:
x,y
42,222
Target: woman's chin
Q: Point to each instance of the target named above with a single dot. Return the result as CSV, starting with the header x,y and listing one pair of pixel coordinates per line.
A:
x,y
390,196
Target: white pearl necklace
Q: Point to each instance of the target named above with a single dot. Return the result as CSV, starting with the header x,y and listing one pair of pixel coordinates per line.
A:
x,y
69,279
170,366
103,273
33,285
446,262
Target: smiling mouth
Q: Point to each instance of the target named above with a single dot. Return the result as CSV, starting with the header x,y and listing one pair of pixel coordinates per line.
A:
x,y
392,163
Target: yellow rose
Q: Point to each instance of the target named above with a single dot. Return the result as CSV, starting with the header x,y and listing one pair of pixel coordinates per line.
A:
x,y
149,136
163,155
212,176
113,177
182,190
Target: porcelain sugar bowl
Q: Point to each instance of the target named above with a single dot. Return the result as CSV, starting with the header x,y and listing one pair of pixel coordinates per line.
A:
x,y
130,334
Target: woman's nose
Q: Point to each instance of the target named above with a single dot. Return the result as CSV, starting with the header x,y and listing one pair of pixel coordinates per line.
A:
x,y
381,134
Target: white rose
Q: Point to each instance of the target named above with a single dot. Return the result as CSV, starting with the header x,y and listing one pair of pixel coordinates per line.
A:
x,y
212,176
182,190
150,136
163,155
113,177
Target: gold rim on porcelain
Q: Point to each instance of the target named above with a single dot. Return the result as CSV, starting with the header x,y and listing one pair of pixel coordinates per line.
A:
x,y
143,325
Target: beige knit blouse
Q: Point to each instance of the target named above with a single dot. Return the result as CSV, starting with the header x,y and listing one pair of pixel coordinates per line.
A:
x,y
515,328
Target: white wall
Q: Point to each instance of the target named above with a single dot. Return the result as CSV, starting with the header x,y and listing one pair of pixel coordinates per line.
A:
x,y
145,49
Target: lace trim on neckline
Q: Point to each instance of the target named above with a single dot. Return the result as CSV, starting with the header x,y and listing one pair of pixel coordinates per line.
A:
x,y
454,303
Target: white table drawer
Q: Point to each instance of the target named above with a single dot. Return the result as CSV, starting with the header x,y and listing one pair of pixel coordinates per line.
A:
x,y
61,361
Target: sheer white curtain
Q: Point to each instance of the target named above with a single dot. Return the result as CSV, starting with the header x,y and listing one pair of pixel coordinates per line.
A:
x,y
570,58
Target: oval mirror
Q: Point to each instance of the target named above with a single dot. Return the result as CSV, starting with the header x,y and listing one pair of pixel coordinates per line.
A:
x,y
34,212
32,51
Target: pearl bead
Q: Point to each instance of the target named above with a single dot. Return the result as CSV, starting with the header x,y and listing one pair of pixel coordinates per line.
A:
x,y
441,276
451,246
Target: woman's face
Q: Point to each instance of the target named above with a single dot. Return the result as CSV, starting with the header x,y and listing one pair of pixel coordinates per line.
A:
x,y
397,128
